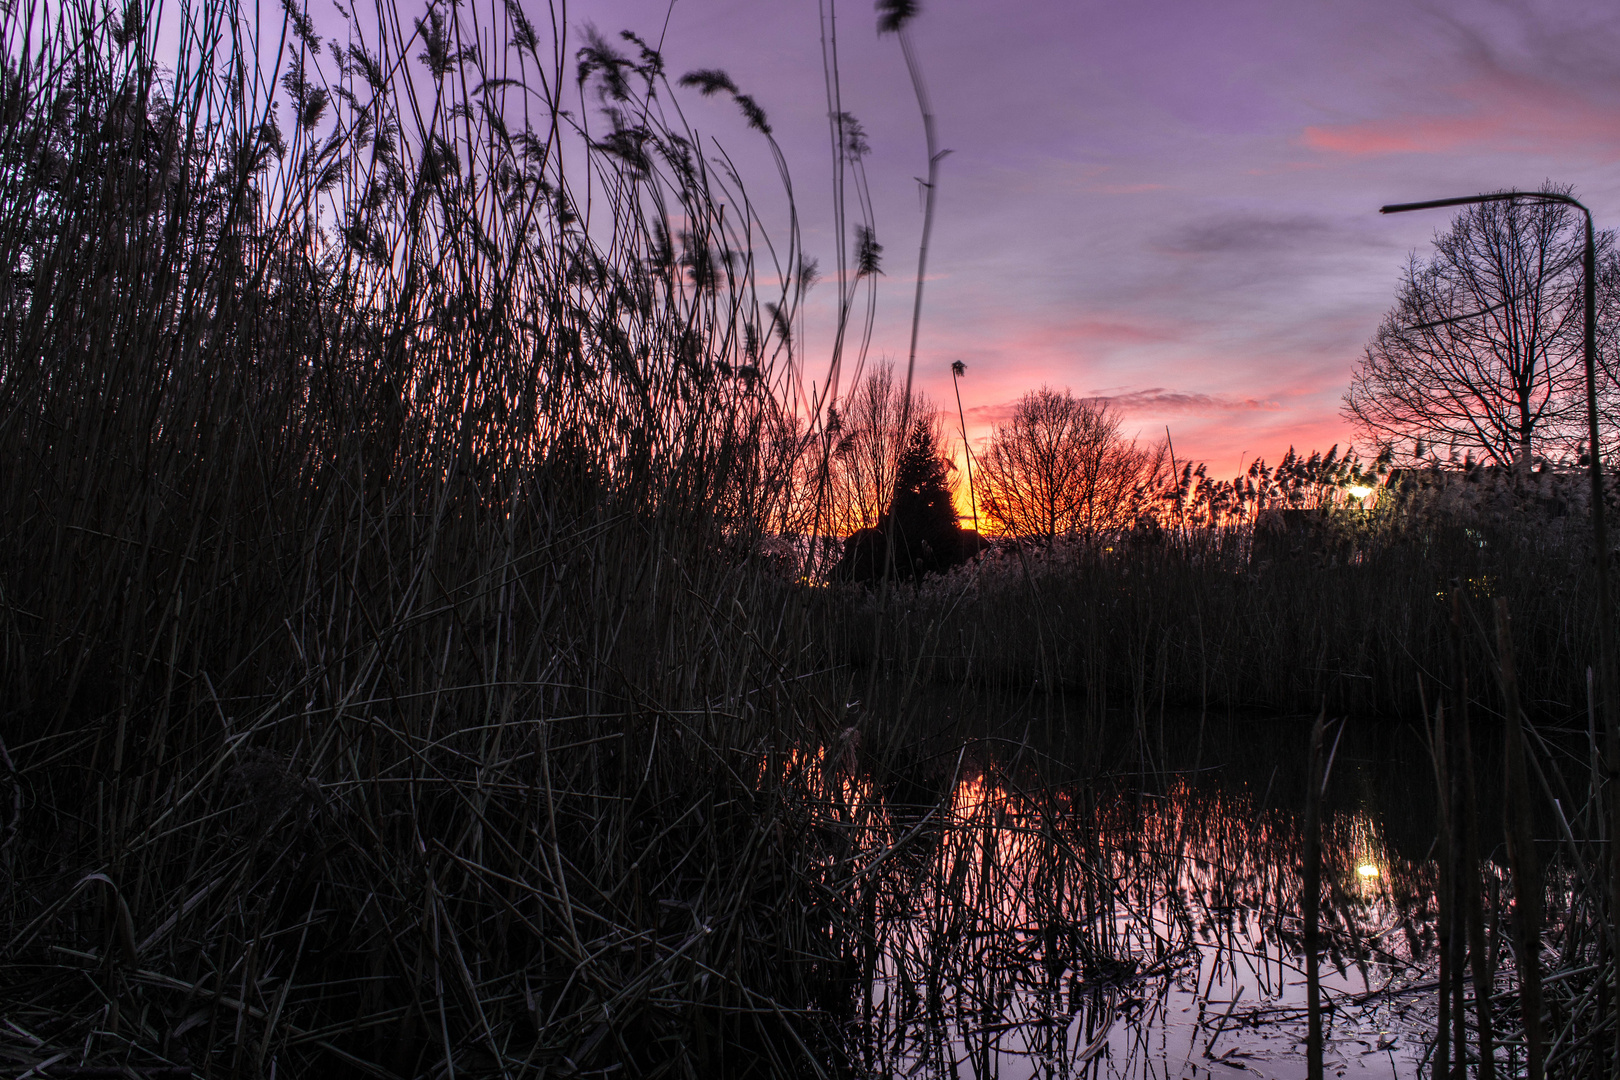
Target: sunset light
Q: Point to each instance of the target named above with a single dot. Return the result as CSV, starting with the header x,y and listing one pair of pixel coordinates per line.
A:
x,y
933,539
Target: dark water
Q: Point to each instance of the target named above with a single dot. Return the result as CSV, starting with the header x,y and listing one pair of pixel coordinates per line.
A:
x,y
1149,925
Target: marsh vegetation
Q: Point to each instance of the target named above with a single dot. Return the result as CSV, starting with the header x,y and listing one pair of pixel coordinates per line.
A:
x,y
420,659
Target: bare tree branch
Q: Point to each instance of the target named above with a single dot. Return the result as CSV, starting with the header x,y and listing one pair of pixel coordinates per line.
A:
x,y
1060,467
1483,346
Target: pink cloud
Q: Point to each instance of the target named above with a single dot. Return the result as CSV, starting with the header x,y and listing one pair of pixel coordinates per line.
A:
x,y
1498,114
988,415
1404,135
1115,332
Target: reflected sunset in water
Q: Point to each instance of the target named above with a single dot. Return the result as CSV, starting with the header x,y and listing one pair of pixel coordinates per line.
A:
x,y
1099,929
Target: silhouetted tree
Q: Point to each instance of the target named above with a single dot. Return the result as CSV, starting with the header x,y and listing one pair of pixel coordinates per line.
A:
x,y
1483,347
919,530
1060,467
923,517
867,448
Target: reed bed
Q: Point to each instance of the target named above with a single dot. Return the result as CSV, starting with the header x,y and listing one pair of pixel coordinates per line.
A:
x,y
395,680
1124,653
387,685
1350,609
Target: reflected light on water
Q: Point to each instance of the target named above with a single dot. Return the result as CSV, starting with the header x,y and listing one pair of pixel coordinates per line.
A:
x,y
1108,931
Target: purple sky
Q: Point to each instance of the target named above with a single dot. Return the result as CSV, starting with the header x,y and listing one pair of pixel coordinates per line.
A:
x,y
1173,204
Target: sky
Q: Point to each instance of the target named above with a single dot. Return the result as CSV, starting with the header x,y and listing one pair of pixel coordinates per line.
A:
x,y
1171,205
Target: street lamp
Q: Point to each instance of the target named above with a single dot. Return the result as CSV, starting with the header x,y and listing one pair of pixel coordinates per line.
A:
x,y
1600,539
1600,536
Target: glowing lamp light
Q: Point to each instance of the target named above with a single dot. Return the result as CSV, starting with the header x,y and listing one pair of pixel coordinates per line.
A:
x,y
1367,870
1359,491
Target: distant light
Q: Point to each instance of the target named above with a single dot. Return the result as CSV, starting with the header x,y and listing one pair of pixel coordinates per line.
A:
x,y
1367,870
1360,492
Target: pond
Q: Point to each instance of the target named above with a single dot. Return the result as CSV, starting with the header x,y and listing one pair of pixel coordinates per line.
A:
x,y
1148,925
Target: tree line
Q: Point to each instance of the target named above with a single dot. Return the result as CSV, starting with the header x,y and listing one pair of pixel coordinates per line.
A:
x,y
1479,361
882,497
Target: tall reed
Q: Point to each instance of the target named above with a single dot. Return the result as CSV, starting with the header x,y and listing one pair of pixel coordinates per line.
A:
x,y
1232,619
388,684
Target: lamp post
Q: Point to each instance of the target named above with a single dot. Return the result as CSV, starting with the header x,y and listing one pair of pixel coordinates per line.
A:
x,y
958,369
1600,535
1600,539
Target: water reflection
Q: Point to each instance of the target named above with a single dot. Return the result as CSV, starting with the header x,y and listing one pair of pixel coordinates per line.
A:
x,y
1107,932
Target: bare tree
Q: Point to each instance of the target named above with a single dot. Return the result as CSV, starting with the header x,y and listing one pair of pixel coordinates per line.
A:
x,y
1060,467
1483,348
868,445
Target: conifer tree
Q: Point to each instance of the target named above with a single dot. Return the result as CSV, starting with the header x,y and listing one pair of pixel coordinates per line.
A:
x,y
919,529
922,514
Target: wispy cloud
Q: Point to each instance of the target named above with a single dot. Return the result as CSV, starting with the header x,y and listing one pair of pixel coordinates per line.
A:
x,y
1245,233
1157,399
1501,112
999,413
1115,332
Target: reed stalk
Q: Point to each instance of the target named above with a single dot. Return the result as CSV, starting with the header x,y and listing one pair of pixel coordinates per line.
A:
x,y
1527,888
1471,885
1311,888
1446,897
